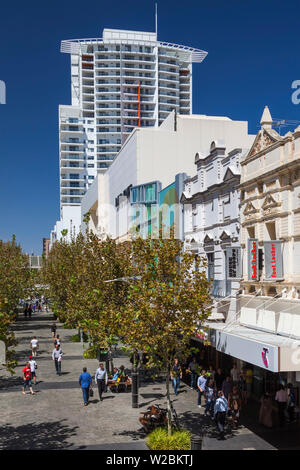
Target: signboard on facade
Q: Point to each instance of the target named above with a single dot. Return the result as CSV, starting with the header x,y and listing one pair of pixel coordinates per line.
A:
x,y
273,260
254,352
252,259
233,267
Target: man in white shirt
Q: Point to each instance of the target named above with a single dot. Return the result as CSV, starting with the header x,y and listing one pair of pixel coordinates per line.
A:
x,y
34,344
235,374
281,397
33,367
101,379
56,357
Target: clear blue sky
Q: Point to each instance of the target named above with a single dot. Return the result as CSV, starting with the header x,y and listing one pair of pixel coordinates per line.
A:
x,y
253,57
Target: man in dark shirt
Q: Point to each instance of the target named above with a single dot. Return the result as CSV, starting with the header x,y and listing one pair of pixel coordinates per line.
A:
x,y
227,387
219,379
85,381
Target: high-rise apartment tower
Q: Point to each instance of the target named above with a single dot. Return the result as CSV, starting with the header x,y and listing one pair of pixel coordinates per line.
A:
x,y
124,80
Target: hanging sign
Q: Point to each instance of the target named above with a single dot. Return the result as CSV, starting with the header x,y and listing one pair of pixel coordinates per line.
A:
x,y
234,268
252,259
273,260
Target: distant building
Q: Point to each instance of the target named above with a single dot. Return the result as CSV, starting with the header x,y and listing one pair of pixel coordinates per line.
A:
x,y
46,242
125,79
150,155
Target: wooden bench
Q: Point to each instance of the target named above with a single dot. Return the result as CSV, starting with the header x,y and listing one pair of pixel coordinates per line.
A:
x,y
121,386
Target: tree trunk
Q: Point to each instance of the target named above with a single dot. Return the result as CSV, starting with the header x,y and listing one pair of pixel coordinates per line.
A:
x,y
111,359
80,334
169,401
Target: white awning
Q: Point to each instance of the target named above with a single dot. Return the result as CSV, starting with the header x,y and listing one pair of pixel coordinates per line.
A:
x,y
269,351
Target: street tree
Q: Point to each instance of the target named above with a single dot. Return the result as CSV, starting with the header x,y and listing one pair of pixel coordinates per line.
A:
x,y
79,275
16,282
167,303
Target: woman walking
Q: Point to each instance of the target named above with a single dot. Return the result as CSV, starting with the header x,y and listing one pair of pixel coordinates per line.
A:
x,y
265,412
242,386
176,375
235,404
210,395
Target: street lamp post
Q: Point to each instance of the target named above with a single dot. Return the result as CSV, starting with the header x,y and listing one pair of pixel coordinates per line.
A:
x,y
134,371
135,390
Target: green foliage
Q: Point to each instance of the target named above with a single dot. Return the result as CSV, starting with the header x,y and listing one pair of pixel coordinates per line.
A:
x,y
16,282
160,440
76,338
91,353
77,273
167,303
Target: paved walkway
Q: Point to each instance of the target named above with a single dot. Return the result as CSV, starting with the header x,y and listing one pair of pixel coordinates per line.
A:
x,y
55,417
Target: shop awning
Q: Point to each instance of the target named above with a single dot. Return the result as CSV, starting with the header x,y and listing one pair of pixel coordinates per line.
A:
x,y
269,351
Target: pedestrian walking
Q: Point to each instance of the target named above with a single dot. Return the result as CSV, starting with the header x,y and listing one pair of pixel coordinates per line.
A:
x,y
26,311
193,367
291,402
176,375
33,367
210,398
85,382
282,398
57,357
235,405
57,341
101,379
234,373
34,345
249,380
29,310
221,408
242,385
265,412
201,384
27,379
227,386
211,372
53,330
219,379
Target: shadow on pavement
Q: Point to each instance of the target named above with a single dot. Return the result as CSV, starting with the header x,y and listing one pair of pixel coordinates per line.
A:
x,y
200,424
135,435
51,435
8,382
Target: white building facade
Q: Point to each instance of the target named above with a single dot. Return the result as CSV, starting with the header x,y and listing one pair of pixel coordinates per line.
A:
x,y
125,79
155,154
265,331
212,222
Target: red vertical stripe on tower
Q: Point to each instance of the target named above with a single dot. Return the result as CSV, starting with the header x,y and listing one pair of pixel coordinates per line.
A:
x,y
139,104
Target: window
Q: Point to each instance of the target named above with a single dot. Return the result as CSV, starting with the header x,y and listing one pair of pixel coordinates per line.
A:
x,y
150,192
271,228
91,165
251,232
210,267
91,177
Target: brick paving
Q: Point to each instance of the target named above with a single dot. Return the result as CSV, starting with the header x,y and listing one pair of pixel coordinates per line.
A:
x,y
55,417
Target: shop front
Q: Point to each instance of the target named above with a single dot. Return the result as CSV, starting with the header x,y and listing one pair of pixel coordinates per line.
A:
x,y
273,359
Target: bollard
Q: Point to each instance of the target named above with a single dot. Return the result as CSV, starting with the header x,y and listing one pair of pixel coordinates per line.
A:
x,y
135,393
196,442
